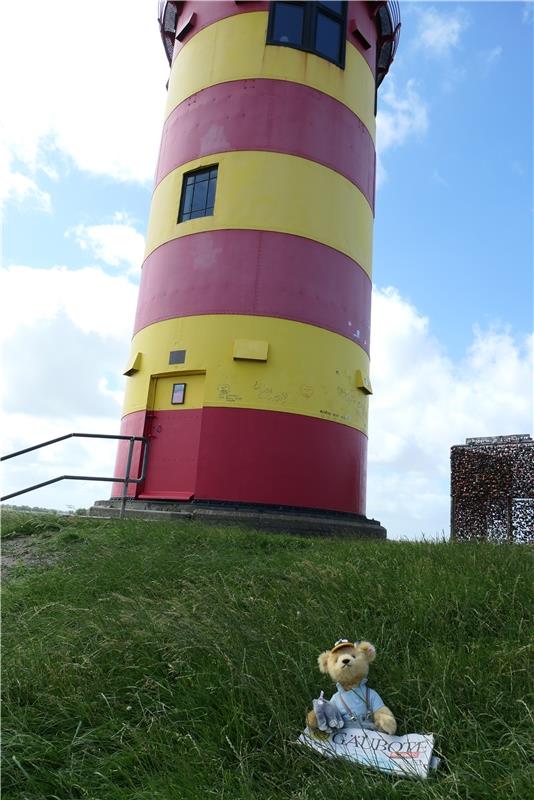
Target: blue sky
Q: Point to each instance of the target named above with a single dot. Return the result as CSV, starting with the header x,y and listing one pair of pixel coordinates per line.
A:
x,y
454,220
452,311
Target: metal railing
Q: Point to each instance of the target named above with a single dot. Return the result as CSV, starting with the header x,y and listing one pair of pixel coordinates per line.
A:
x,y
126,481
389,25
394,13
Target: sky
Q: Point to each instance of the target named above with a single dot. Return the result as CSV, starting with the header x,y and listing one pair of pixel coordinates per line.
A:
x,y
452,321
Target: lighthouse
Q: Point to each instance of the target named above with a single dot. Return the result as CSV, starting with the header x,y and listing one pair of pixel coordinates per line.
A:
x,y
249,368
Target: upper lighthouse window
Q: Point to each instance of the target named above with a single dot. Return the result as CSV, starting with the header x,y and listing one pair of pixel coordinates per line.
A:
x,y
288,23
315,27
198,194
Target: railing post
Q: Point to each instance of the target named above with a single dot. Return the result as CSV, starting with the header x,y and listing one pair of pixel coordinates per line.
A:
x,y
127,476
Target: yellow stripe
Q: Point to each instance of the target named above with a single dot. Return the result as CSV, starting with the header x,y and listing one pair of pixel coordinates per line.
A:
x,y
270,192
308,370
234,49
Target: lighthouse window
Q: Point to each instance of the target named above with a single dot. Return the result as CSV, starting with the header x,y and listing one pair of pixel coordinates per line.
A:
x,y
178,394
328,37
198,194
177,357
314,27
288,23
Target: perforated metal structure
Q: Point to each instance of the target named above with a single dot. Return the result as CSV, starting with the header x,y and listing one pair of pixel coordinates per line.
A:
x,y
492,489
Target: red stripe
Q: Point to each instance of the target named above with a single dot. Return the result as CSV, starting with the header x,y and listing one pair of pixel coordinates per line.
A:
x,y
283,459
208,12
131,425
261,273
274,116
248,456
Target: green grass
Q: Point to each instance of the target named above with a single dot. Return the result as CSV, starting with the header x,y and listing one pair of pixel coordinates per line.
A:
x,y
160,661
21,523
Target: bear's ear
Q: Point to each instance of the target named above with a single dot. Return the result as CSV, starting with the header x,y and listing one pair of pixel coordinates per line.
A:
x,y
369,650
323,661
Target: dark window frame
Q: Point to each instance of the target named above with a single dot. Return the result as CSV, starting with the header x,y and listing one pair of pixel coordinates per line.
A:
x,y
178,402
177,357
311,12
186,216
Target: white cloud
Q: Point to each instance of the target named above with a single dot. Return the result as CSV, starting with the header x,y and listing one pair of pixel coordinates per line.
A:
x,y
91,86
405,114
117,244
489,58
92,300
424,402
20,188
439,32
65,340
67,372
402,114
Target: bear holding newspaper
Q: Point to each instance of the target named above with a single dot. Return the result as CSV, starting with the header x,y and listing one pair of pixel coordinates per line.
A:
x,y
354,703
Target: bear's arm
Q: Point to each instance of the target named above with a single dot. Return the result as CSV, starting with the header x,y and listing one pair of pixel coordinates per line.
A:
x,y
382,716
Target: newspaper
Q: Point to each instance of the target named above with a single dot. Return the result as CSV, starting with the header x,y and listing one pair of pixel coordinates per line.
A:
x,y
409,756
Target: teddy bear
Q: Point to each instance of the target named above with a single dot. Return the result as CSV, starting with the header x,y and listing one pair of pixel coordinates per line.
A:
x,y
347,663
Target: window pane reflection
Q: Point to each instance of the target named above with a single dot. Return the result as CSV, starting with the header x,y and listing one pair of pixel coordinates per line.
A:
x,y
328,37
288,23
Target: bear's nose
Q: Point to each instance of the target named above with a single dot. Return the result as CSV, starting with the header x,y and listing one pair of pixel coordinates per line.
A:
x,y
346,660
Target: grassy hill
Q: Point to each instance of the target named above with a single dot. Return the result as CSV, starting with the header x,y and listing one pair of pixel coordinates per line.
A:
x,y
148,661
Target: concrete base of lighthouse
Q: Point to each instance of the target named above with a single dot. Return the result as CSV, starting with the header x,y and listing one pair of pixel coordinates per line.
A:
x,y
276,519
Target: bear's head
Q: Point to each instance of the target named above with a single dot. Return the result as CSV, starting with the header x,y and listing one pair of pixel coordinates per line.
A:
x,y
347,662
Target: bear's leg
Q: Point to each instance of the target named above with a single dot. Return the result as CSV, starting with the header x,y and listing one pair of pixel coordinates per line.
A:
x,y
311,721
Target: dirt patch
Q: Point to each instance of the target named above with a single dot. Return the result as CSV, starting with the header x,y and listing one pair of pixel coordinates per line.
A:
x,y
23,551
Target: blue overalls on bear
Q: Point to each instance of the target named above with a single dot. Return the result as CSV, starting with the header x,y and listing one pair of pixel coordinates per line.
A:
x,y
357,706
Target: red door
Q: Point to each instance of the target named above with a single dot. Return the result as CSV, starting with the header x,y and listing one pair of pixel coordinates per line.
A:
x,y
173,430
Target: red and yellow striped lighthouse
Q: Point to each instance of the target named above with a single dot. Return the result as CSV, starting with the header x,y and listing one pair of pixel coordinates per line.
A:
x,y
249,366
